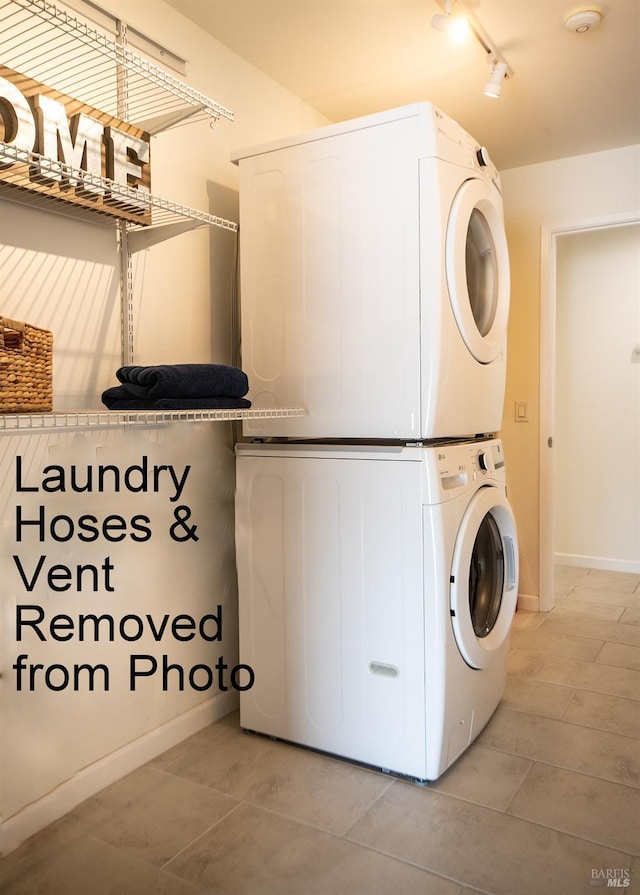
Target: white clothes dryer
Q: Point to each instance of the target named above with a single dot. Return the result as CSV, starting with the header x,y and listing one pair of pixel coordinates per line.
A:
x,y
374,280
377,585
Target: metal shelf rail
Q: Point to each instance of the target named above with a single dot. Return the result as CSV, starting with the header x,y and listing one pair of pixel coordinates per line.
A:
x,y
20,423
59,50
31,168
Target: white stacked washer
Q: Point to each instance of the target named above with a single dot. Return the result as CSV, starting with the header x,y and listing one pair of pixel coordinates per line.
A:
x,y
377,554
375,280
377,588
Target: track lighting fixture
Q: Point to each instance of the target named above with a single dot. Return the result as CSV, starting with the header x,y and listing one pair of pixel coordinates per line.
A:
x,y
455,23
497,74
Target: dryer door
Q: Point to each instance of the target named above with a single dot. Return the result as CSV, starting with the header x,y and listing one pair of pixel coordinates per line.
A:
x,y
484,577
477,265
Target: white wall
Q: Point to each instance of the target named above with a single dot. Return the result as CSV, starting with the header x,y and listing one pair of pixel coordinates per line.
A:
x,y
60,745
567,190
597,438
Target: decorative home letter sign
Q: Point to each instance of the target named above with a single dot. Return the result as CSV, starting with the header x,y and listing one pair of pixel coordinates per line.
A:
x,y
78,144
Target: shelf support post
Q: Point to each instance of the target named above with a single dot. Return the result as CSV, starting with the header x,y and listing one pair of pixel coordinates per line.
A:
x,y
126,295
126,271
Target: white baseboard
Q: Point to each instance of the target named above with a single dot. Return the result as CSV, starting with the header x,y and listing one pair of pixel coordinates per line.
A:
x,y
598,562
90,780
529,602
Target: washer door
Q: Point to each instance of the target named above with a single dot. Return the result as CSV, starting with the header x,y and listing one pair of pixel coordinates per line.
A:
x,y
477,265
484,577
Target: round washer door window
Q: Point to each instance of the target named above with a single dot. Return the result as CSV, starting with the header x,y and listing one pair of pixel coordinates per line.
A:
x,y
484,577
477,265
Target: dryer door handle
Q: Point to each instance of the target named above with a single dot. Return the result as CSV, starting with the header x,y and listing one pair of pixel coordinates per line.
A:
x,y
510,557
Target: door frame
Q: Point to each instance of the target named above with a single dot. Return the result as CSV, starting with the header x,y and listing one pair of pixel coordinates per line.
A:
x,y
549,235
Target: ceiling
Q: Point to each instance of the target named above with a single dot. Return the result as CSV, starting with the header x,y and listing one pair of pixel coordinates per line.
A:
x,y
570,93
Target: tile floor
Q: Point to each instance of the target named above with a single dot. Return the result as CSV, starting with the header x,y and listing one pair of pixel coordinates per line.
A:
x,y
546,800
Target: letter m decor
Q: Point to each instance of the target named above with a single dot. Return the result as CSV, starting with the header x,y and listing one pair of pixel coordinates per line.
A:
x,y
60,148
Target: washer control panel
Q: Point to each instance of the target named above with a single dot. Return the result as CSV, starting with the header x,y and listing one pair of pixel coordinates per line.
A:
x,y
466,464
487,459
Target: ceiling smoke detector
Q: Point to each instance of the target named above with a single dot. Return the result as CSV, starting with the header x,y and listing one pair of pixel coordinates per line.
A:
x,y
583,20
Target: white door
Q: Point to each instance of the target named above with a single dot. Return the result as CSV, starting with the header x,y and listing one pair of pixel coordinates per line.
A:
x,y
597,488
477,265
484,577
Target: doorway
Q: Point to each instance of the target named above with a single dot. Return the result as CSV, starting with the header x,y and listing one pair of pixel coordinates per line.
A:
x,y
590,398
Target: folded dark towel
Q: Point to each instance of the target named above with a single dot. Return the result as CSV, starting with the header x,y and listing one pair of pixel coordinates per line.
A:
x,y
184,381
118,398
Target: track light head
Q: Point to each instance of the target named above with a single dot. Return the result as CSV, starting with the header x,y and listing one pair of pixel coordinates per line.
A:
x,y
440,22
455,26
498,73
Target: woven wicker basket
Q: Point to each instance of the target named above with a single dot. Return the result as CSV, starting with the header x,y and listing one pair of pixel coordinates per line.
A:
x,y
26,362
